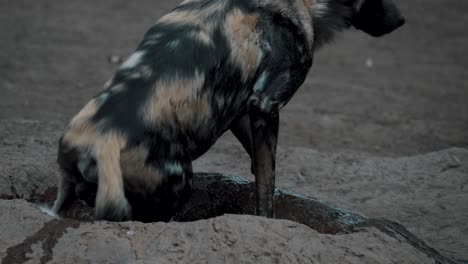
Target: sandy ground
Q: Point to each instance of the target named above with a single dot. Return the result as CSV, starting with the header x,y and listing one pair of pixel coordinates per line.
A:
x,y
366,100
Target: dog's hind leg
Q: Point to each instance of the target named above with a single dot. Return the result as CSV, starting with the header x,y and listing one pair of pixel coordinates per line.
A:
x,y
111,203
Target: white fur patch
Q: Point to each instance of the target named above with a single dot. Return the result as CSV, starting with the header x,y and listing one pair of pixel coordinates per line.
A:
x,y
173,44
118,88
108,83
266,45
266,103
260,83
47,210
202,36
321,9
174,168
143,71
133,60
186,2
104,96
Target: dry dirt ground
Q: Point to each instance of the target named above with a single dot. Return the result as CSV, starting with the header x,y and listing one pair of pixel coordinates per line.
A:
x,y
380,125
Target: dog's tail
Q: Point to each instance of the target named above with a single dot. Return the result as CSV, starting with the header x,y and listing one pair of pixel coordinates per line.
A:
x,y
65,196
66,159
111,203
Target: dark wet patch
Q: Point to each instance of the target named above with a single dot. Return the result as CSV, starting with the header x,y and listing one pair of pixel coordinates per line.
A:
x,y
8,197
14,194
45,197
216,194
400,233
48,236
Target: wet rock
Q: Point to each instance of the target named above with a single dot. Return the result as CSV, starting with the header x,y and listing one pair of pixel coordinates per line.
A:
x,y
18,221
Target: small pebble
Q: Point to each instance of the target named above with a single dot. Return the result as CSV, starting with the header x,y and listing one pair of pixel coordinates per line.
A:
x,y
115,59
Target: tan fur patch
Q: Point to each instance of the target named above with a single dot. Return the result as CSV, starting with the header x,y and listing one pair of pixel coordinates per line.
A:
x,y
135,171
240,31
111,190
198,17
178,100
107,149
83,132
181,17
304,9
85,114
204,18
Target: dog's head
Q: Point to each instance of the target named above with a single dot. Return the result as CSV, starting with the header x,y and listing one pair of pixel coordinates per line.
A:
x,y
377,17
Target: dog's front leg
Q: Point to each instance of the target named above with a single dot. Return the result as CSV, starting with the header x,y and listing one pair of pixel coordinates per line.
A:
x,y
264,128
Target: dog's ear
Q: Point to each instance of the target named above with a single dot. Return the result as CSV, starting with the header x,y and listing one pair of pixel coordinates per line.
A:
x,y
377,17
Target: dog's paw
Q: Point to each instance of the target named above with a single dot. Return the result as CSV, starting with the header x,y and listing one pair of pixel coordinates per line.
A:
x,y
117,211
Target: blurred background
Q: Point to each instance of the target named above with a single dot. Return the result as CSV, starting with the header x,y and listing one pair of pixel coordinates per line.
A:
x,y
403,94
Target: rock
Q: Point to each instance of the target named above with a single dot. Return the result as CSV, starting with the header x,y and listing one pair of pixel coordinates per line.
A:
x,y
426,193
18,221
224,239
27,160
327,234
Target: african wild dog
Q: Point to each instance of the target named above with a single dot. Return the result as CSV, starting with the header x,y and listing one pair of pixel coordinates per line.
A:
x,y
207,67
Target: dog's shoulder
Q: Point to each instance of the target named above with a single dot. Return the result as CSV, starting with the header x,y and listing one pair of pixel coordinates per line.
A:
x,y
298,13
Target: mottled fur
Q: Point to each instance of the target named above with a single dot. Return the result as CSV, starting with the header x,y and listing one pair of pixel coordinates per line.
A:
x,y
207,67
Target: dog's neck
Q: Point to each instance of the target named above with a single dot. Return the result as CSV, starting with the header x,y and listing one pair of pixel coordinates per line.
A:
x,y
330,17
320,20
